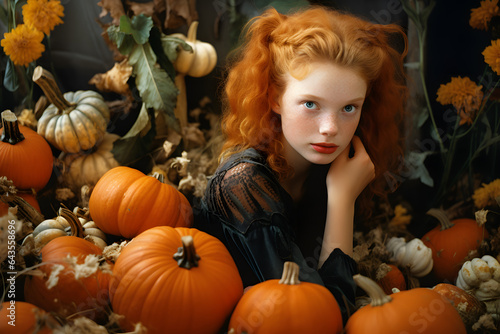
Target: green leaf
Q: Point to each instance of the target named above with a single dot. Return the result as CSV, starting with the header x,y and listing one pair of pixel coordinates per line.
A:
x,y
156,88
171,46
124,42
161,57
139,27
128,150
11,80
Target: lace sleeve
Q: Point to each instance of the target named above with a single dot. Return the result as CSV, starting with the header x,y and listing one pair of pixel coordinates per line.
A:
x,y
245,193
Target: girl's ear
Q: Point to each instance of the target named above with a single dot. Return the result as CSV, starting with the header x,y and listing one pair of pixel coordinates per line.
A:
x,y
275,104
276,107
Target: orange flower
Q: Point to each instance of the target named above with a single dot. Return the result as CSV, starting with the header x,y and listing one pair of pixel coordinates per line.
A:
x,y
480,17
23,44
464,95
44,15
492,56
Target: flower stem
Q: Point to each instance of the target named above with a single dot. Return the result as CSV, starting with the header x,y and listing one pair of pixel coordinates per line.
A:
x,y
421,40
443,187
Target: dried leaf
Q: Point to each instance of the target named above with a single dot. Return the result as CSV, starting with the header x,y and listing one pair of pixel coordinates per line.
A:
x,y
114,80
146,8
27,118
81,325
54,276
86,269
114,250
141,125
112,7
178,12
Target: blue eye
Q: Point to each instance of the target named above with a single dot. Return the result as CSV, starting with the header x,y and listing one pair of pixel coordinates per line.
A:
x,y
349,108
310,105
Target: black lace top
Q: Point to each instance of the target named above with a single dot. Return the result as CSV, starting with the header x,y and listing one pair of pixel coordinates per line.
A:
x,y
249,211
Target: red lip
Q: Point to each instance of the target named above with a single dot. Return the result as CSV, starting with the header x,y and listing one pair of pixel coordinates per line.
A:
x,y
325,148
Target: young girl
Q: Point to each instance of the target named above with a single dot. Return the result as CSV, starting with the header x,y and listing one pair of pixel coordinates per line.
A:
x,y
314,103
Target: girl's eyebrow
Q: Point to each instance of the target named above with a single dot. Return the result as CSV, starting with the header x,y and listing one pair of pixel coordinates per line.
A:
x,y
314,97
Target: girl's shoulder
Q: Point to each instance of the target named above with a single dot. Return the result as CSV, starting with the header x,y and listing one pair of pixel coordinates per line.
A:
x,y
250,155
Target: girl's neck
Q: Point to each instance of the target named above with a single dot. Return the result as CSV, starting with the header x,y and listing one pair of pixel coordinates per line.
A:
x,y
294,184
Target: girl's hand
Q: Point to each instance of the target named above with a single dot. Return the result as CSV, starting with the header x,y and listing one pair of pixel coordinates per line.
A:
x,y
347,177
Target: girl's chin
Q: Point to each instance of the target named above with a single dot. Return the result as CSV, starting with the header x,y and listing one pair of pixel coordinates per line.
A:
x,y
321,160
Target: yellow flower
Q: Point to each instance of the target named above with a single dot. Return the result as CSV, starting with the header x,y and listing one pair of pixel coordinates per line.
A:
x,y
401,216
492,56
487,194
23,44
464,95
480,17
44,15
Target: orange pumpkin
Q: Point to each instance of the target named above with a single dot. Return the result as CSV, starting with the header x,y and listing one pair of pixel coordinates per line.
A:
x,y
17,317
86,295
389,276
25,157
127,202
287,306
467,305
175,280
451,242
418,310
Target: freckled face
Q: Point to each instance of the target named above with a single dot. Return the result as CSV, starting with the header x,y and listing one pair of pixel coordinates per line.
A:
x,y
320,113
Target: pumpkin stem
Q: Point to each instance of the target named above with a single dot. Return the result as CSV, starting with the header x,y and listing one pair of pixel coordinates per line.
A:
x,y
25,210
74,222
81,213
11,133
191,35
290,274
186,256
47,83
441,215
373,290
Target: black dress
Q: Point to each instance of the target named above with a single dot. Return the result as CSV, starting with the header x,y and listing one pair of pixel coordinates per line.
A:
x,y
251,213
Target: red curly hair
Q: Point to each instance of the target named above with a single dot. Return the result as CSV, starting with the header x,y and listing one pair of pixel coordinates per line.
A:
x,y
277,44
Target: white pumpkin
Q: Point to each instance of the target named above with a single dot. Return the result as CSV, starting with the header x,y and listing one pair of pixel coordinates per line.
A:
x,y
73,122
413,254
198,63
480,276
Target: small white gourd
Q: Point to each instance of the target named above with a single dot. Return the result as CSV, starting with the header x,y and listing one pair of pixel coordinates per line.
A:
x,y
481,277
413,254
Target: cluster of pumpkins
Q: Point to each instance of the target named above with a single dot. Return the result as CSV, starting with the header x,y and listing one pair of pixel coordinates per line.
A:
x,y
173,278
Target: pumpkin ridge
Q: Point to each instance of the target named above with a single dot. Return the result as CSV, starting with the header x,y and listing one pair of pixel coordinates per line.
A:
x,y
82,133
66,136
91,135
50,130
98,119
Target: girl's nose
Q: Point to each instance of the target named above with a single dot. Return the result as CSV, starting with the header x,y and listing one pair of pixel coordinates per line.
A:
x,y
328,125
